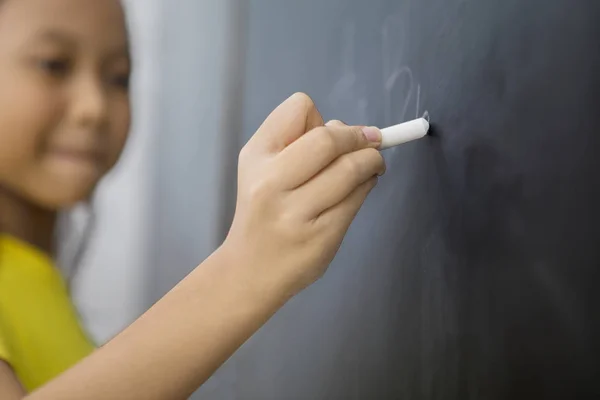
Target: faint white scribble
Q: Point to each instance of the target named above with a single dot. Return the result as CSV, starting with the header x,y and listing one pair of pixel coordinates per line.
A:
x,y
418,100
391,110
400,90
395,42
344,95
426,116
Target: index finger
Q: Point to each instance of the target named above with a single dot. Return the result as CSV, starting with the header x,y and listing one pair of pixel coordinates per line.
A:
x,y
288,122
318,148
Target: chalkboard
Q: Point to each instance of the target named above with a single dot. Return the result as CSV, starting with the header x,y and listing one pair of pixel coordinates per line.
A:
x,y
473,270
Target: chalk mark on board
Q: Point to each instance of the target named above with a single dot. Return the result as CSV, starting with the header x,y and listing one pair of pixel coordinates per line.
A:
x,y
426,116
393,46
398,78
395,39
344,94
418,100
400,88
389,87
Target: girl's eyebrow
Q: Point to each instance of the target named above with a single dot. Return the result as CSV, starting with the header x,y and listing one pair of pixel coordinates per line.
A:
x,y
56,36
53,35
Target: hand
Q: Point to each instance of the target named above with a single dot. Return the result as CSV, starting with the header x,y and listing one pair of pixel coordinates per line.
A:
x,y
300,185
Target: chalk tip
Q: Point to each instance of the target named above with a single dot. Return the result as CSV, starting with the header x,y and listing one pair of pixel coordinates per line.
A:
x,y
425,125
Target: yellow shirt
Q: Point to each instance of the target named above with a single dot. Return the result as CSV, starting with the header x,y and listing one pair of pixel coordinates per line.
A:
x,y
40,335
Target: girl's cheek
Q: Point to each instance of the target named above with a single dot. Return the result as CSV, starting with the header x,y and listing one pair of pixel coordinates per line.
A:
x,y
29,112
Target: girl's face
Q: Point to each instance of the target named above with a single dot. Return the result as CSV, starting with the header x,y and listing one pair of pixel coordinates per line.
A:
x,y
64,101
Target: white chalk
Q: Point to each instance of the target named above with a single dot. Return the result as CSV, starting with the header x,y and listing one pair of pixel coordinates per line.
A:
x,y
405,132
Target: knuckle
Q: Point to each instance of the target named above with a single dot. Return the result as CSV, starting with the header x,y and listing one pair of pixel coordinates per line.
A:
x,y
245,154
261,189
288,227
305,99
336,122
287,221
351,165
360,140
382,164
340,140
326,141
376,160
374,155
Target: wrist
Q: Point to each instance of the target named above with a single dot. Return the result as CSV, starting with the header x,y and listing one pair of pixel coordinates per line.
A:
x,y
252,279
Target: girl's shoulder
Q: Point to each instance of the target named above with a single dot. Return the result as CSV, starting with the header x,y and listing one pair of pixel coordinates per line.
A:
x,y
40,331
16,254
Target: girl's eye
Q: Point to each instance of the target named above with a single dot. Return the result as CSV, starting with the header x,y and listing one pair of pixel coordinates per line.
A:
x,y
121,81
54,66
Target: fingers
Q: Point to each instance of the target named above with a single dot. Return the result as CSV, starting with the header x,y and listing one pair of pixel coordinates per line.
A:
x,y
337,181
344,212
318,148
289,121
336,122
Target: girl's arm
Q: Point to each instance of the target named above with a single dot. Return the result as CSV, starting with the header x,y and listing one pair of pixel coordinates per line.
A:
x,y
179,343
10,387
300,186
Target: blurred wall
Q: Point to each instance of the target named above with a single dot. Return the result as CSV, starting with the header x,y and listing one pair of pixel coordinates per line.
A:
x,y
199,124
111,288
168,203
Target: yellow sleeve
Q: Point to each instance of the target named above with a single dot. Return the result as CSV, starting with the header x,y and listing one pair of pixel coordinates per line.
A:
x,y
4,355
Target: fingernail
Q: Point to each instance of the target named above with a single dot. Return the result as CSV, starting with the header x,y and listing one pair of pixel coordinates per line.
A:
x,y
372,134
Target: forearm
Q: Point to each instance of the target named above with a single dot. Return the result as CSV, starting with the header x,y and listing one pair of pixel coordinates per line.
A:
x,y
179,343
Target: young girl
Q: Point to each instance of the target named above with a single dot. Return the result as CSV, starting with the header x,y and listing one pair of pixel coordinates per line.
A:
x,y
64,117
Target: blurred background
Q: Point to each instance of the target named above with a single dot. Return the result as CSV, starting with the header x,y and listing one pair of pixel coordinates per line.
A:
x,y
164,208
169,202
